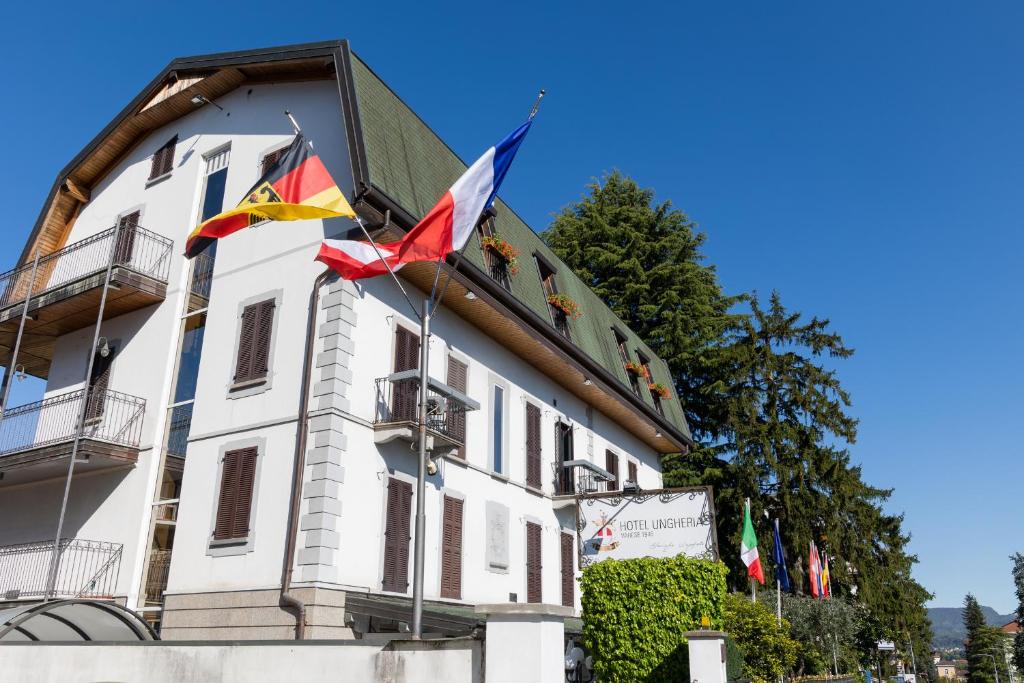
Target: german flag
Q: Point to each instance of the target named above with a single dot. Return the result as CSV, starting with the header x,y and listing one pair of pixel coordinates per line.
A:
x,y
296,187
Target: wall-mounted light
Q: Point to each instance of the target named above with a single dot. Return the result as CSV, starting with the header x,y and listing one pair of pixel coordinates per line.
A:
x,y
19,372
199,100
103,348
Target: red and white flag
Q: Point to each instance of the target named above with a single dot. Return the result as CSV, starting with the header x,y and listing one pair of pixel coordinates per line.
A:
x,y
444,229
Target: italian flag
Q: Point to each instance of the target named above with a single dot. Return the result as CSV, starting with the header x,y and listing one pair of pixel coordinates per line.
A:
x,y
748,548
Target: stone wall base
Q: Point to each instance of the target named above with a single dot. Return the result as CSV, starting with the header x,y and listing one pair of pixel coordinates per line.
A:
x,y
253,615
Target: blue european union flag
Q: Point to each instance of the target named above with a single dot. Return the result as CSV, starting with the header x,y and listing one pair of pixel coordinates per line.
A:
x,y
781,574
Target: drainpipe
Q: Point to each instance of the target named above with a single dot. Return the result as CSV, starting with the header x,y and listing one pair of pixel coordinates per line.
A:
x,y
288,600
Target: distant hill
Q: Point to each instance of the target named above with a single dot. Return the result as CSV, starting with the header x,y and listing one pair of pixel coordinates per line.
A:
x,y
948,624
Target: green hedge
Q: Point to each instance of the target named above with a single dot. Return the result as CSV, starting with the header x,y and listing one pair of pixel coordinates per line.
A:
x,y
635,613
733,660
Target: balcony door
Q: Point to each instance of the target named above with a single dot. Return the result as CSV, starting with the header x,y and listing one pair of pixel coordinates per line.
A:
x,y
99,381
405,392
566,475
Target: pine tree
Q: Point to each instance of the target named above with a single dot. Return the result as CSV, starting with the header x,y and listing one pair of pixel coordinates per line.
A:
x,y
974,618
644,260
1018,581
771,416
985,645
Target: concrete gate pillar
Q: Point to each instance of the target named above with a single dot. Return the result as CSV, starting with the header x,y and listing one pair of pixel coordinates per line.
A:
x,y
525,642
707,656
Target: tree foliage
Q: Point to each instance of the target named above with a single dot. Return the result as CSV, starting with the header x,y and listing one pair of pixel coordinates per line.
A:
x,y
827,631
768,650
1018,582
762,397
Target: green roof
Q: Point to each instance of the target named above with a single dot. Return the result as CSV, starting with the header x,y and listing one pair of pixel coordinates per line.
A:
x,y
409,163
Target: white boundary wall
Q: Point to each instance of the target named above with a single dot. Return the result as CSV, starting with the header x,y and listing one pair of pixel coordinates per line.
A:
x,y
397,661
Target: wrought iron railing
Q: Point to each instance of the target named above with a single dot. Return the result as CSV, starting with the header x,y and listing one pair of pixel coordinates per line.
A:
x,y
397,401
156,576
136,249
86,569
202,275
110,416
579,477
561,322
497,268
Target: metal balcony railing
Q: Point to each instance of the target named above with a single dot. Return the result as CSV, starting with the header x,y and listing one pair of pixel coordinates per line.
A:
x,y
561,322
397,401
156,576
497,268
111,416
86,569
579,477
137,249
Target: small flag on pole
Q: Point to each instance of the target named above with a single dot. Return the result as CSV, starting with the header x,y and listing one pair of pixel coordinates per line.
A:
x,y
826,584
781,573
748,548
296,187
814,571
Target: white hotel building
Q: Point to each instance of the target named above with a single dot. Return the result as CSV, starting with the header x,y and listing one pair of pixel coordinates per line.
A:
x,y
245,435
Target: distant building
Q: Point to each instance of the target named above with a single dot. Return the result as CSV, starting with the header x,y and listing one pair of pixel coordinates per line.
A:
x,y
946,670
1011,630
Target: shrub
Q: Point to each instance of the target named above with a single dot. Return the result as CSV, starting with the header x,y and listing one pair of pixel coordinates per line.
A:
x,y
768,651
635,613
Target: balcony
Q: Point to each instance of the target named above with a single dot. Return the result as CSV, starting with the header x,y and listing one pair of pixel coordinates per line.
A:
x,y
36,438
65,294
574,478
397,411
87,569
497,268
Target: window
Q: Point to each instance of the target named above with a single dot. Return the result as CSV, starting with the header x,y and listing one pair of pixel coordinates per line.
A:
x,y
99,381
566,479
396,536
457,371
163,159
547,277
127,227
632,473
533,563
547,280
252,361
498,428
234,506
568,570
611,463
620,343
272,158
405,393
533,446
451,549
655,398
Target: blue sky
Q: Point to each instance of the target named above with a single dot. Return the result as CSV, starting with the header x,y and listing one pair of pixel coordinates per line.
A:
x,y
864,159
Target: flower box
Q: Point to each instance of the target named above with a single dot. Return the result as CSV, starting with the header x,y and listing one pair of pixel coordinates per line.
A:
x,y
634,368
503,250
659,390
566,305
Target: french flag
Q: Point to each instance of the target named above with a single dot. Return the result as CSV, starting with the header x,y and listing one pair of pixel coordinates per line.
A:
x,y
444,229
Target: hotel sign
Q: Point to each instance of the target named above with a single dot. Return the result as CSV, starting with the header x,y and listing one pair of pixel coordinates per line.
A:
x,y
662,523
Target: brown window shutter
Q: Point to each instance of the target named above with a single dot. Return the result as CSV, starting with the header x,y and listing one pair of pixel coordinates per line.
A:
x,y
451,549
163,159
234,505
611,463
457,379
568,571
127,228
261,347
533,446
632,473
99,382
405,393
533,563
396,536
271,159
254,341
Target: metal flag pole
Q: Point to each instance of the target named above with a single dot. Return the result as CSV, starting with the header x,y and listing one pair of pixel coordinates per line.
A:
x,y
17,342
80,424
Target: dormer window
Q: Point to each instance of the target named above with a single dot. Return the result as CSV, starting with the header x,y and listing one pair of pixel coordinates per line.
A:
x,y
559,317
499,256
632,369
645,363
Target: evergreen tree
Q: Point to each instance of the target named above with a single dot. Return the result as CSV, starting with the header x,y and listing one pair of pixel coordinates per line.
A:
x,y
644,260
1018,581
770,414
985,646
974,618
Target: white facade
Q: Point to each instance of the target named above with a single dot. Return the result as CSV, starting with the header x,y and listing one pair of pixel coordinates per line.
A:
x,y
341,539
